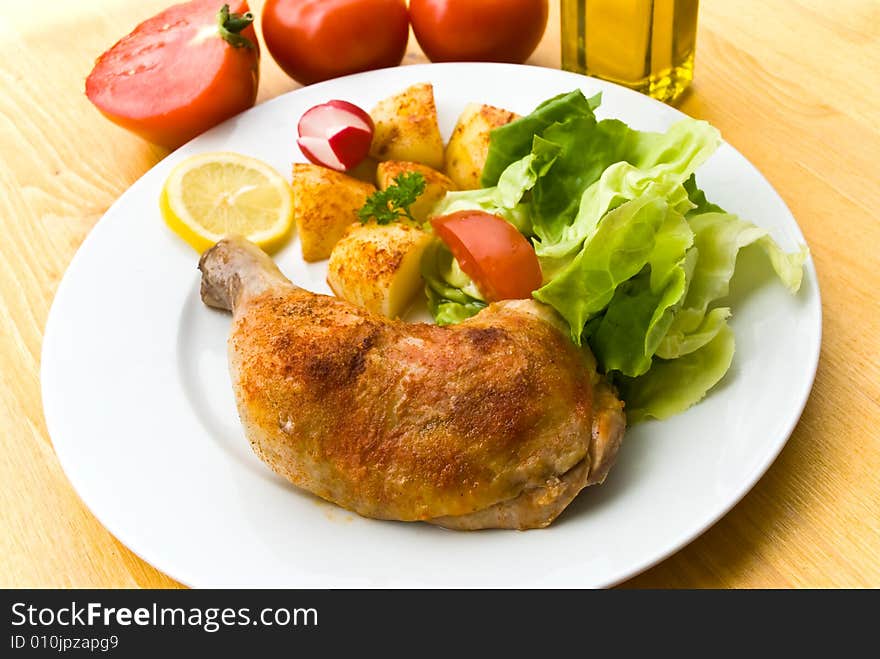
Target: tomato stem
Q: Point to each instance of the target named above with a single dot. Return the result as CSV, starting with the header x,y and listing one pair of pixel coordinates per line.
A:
x,y
230,24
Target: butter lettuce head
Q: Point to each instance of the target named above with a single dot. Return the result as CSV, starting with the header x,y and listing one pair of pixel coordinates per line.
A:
x,y
635,258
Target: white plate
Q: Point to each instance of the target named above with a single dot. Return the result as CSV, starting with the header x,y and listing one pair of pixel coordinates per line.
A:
x,y
139,405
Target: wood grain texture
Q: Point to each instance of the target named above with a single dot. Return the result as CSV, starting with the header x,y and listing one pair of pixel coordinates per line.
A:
x,y
792,85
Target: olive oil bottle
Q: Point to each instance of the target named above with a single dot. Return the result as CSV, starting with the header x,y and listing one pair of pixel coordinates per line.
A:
x,y
647,45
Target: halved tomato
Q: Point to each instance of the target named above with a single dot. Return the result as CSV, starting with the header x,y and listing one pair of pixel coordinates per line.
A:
x,y
492,252
180,72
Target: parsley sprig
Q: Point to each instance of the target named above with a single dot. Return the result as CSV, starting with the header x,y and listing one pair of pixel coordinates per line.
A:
x,y
392,203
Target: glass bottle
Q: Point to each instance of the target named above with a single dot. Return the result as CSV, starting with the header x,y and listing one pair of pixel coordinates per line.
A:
x,y
647,45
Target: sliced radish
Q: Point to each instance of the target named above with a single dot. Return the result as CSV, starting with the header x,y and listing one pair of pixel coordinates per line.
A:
x,y
336,134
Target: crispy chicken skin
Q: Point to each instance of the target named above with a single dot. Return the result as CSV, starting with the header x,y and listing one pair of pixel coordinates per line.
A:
x,y
497,422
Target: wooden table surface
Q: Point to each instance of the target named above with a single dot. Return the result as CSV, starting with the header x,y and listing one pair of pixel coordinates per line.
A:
x,y
792,84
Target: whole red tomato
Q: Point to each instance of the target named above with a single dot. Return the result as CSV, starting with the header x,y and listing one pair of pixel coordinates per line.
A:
x,y
478,30
313,40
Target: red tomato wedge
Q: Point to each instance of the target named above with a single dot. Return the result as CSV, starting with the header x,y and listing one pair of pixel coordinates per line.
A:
x,y
179,73
492,252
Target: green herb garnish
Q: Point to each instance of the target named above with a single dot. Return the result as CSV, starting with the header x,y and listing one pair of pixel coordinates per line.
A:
x,y
392,204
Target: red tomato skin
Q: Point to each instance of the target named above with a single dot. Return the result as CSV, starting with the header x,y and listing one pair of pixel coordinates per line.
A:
x,y
492,252
158,84
314,40
478,30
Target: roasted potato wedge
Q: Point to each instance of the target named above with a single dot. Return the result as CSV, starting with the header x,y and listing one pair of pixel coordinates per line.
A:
x,y
469,144
377,266
437,184
365,171
406,128
325,204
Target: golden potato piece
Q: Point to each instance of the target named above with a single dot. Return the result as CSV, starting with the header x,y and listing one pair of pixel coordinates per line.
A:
x,y
469,145
437,184
406,127
325,203
377,266
365,171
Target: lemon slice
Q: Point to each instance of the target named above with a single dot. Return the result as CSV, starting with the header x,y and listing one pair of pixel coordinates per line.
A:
x,y
212,195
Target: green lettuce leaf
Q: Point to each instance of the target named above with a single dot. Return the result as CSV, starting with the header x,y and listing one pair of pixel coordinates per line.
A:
x,y
447,312
452,295
618,338
698,198
604,166
620,248
642,309
719,237
506,199
513,141
676,343
586,149
671,387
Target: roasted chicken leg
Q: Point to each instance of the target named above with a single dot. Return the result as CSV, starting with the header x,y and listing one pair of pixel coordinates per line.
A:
x,y
497,422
